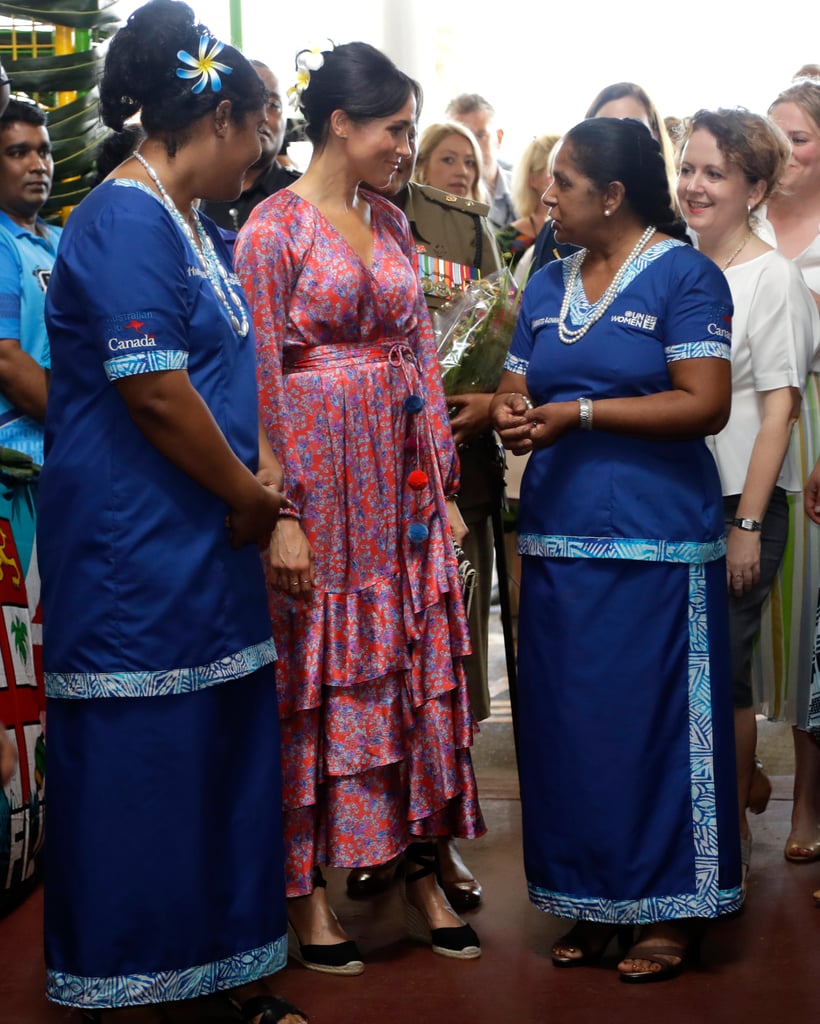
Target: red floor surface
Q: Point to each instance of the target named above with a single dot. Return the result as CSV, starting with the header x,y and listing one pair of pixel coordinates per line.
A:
x,y
760,966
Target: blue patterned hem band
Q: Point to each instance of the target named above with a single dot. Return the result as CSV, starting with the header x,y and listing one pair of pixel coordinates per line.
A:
x,y
698,350
162,683
632,549
644,911
166,986
706,899
145,362
516,365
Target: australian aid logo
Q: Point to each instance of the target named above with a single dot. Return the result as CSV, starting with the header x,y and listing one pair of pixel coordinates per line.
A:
x,y
131,336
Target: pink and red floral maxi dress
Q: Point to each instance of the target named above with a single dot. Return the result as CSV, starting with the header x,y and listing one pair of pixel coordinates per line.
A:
x,y
376,722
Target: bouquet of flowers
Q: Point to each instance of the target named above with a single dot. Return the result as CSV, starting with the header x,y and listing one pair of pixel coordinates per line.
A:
x,y
474,331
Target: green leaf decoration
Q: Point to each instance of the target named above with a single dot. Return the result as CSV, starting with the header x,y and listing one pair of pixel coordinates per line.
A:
x,y
20,632
38,72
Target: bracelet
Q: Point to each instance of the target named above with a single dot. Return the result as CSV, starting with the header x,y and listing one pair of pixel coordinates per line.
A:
x,y
752,525
4,81
585,413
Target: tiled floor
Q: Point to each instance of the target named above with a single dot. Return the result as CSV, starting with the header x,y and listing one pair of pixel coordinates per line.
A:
x,y
762,966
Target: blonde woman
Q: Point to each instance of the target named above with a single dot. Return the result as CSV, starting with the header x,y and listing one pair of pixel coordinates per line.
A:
x,y
791,223
449,159
530,180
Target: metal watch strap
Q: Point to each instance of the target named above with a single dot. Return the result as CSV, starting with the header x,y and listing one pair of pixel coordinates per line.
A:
x,y
585,413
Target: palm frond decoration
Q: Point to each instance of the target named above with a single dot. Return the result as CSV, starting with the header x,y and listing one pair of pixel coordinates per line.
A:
x,y
53,51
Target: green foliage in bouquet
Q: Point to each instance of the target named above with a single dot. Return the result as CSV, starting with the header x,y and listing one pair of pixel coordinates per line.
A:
x,y
474,331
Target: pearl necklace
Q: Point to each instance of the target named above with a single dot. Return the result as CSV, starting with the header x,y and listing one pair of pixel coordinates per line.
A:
x,y
206,254
569,335
737,251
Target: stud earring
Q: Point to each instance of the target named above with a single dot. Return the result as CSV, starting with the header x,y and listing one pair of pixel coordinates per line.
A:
x,y
607,213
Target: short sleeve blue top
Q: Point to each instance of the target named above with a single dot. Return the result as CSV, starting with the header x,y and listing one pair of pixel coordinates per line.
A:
x,y
142,593
26,259
673,304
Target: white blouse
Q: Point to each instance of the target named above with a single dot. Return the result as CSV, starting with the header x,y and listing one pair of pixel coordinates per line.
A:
x,y
775,338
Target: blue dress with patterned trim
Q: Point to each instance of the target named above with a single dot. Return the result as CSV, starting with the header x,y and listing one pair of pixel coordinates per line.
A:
x,y
626,728
164,858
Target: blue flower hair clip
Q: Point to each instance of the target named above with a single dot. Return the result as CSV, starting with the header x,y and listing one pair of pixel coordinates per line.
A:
x,y
204,67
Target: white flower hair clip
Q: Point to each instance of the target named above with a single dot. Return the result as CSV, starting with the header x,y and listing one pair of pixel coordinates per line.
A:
x,y
307,60
204,67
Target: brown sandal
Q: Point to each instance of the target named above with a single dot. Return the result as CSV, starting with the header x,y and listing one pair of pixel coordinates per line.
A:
x,y
670,959
581,937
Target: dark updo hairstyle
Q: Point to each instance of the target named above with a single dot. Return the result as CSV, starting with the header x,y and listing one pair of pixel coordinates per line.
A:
x,y
358,79
607,149
140,75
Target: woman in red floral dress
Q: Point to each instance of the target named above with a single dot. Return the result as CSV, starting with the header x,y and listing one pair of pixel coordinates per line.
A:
x,y
363,582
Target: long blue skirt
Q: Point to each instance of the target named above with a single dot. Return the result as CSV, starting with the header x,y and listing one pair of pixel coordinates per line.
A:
x,y
626,740
164,859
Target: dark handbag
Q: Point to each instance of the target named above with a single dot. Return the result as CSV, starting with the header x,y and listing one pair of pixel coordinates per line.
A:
x,y
467,576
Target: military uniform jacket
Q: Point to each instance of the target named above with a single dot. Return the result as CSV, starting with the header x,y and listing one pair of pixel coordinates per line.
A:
x,y
453,240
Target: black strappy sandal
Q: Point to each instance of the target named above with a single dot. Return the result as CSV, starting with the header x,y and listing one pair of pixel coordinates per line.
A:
x,y
340,958
460,942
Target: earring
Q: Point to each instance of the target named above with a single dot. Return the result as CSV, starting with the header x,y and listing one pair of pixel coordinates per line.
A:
x,y
607,213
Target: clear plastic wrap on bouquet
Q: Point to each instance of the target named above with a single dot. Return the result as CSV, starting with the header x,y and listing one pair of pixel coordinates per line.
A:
x,y
473,334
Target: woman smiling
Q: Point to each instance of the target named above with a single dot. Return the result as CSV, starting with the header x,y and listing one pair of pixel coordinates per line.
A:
x,y
731,162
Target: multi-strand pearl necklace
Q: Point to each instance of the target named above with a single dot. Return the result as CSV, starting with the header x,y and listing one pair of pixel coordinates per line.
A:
x,y
569,335
206,254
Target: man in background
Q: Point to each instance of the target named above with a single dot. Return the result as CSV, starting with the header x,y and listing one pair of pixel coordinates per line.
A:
x,y
475,113
267,175
28,247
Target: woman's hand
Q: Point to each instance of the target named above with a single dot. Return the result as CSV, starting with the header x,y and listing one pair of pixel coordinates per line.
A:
x,y
457,524
251,521
291,558
508,412
742,560
547,423
472,416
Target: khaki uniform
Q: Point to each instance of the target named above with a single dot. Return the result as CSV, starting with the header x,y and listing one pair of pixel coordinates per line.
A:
x,y
466,240
453,238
